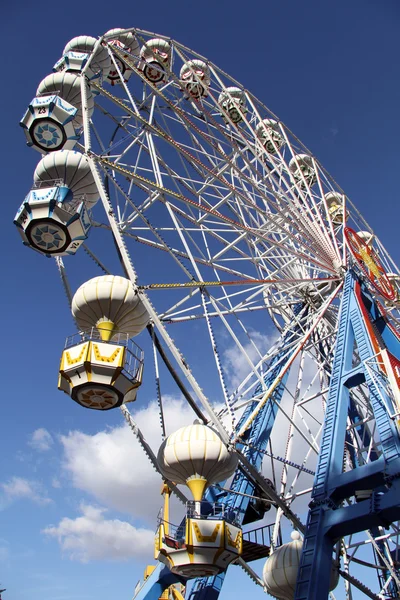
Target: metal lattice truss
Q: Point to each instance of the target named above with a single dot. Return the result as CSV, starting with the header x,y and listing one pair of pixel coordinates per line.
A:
x,y
231,246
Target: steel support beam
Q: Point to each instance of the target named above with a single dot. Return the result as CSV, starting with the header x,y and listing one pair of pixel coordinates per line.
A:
x,y
329,518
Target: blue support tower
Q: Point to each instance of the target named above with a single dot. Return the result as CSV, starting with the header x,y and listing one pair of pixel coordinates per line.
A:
x,y
160,579
329,518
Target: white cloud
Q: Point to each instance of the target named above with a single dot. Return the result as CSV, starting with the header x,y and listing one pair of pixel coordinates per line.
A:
x,y
235,363
18,488
334,130
41,440
306,423
112,467
92,537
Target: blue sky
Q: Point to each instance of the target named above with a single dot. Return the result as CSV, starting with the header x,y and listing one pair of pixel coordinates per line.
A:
x,y
330,72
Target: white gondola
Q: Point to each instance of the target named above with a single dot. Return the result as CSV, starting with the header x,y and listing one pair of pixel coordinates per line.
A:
x,y
268,133
127,43
334,202
155,60
73,169
195,78
303,170
101,367
100,63
205,546
233,102
99,375
123,39
54,217
68,87
51,221
48,124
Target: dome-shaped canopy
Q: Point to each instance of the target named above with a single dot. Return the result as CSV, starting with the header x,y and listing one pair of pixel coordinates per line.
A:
x,y
68,86
156,49
269,134
195,67
366,237
281,568
127,39
196,456
73,168
111,304
232,93
101,61
155,62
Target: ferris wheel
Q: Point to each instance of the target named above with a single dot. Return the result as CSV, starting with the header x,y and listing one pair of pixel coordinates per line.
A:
x,y
234,241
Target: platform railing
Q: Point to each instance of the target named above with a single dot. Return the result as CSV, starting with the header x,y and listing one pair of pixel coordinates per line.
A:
x,y
134,355
47,183
211,510
262,535
70,206
199,510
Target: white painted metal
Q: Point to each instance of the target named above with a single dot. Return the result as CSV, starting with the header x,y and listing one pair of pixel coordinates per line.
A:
x,y
212,190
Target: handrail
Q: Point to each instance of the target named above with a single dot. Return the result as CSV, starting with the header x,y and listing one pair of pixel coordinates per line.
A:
x,y
260,535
